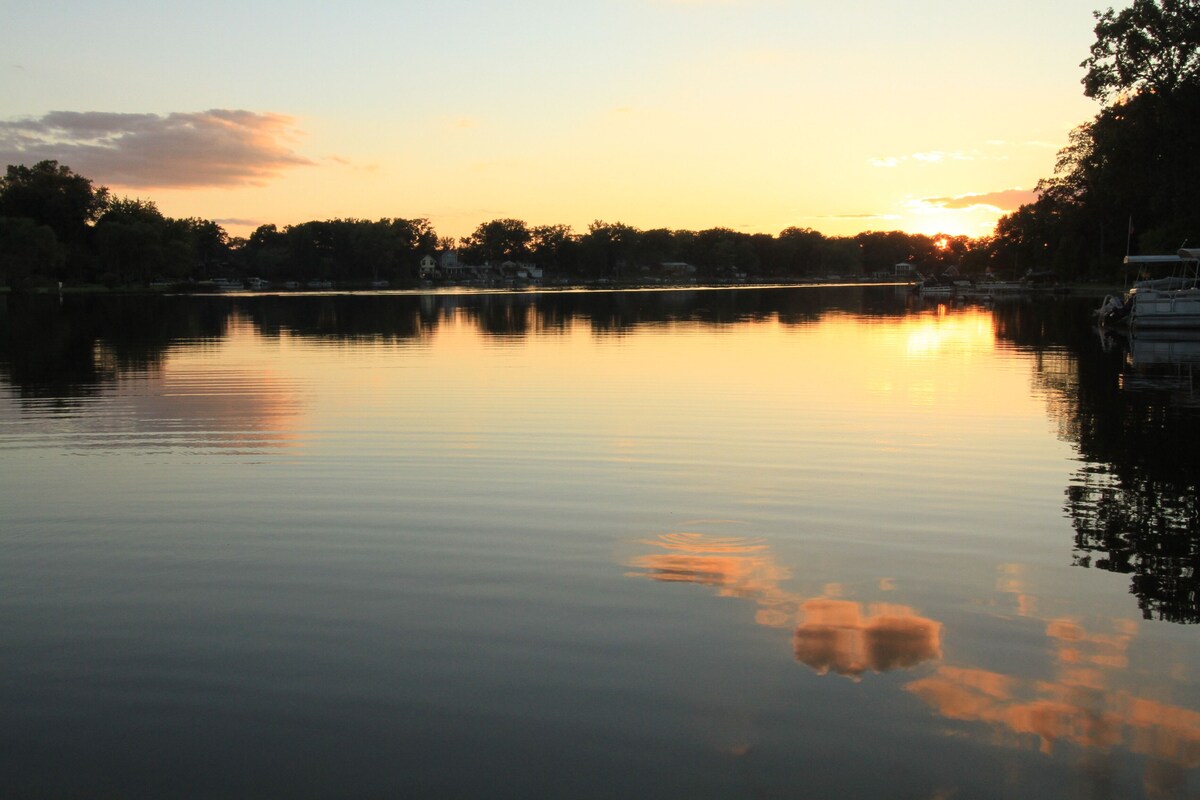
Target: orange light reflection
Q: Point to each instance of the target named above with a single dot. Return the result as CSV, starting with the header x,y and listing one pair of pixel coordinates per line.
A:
x,y
847,638
829,635
1079,707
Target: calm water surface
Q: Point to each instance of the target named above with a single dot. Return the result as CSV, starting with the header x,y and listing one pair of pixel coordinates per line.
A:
x,y
781,543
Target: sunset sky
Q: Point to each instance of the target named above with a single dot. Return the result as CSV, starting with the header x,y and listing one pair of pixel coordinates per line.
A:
x,y
927,116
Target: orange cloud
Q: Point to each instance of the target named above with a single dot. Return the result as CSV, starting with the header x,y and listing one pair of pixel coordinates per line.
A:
x,y
219,147
1004,200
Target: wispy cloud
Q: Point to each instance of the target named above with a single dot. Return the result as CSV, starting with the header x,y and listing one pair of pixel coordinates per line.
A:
x,y
927,157
936,156
1003,200
348,164
181,150
990,150
866,215
239,221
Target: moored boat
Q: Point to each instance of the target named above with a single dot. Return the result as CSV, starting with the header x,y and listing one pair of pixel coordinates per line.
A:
x,y
935,289
994,287
1168,302
934,286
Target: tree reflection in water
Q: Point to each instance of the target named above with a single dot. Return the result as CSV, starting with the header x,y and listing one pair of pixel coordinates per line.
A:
x,y
1134,502
48,343
1131,406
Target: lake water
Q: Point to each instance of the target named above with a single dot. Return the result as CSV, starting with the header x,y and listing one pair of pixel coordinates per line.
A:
x,y
801,542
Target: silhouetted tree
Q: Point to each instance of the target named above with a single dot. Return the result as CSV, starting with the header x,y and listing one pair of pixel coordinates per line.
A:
x,y
554,246
1127,176
27,250
51,194
136,243
498,240
608,248
1154,46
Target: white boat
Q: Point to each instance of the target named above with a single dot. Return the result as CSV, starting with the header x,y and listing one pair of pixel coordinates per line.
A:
x,y
1171,302
934,286
993,286
936,289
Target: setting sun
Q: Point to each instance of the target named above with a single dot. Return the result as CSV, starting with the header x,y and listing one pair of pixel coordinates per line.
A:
x,y
756,116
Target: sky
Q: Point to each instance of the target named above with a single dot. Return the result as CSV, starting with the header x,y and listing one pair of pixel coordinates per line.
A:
x,y
757,115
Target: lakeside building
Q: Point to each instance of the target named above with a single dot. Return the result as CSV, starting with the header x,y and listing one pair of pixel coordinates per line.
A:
x,y
678,269
428,267
448,267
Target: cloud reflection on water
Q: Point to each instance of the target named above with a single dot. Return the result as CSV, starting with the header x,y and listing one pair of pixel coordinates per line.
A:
x,y
1081,706
839,636
190,398
829,635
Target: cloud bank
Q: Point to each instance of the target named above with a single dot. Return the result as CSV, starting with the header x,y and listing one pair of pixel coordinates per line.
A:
x,y
1004,200
218,147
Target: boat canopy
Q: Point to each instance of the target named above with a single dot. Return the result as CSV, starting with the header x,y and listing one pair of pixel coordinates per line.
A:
x,y
1184,254
1141,261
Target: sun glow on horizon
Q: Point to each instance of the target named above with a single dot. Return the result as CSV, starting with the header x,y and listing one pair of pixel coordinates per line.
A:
x,y
652,114
239,212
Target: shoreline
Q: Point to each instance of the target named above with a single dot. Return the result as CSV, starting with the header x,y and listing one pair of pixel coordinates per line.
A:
x,y
1087,289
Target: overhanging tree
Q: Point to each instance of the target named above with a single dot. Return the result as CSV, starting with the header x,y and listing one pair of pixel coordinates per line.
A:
x,y
1154,45
1135,162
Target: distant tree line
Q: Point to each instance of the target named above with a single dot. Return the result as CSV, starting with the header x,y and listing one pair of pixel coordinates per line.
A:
x,y
1126,181
55,225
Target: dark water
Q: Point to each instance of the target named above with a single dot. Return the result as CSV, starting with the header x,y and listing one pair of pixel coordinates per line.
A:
x,y
813,542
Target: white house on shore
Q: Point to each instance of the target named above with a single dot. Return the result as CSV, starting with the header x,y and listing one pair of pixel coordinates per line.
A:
x,y
522,270
447,267
428,267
